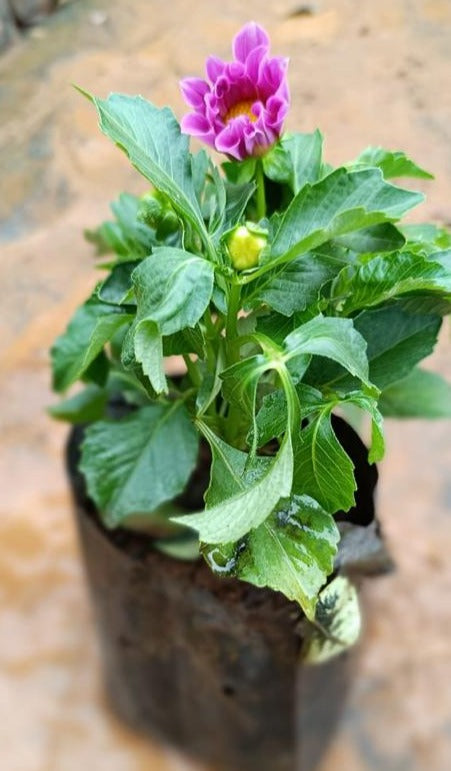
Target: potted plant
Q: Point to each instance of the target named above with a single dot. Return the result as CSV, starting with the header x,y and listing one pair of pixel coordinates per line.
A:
x,y
226,510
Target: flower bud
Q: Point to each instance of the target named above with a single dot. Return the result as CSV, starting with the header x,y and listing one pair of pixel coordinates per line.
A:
x,y
156,211
245,244
150,209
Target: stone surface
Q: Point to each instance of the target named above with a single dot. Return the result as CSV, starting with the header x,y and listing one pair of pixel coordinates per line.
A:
x,y
377,75
29,12
17,15
7,25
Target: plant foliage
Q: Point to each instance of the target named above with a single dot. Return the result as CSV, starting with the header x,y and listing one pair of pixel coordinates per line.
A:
x,y
335,305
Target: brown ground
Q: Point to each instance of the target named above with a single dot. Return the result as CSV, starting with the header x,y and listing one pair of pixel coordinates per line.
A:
x,y
367,72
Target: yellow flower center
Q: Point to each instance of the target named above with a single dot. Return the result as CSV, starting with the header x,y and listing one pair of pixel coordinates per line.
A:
x,y
241,108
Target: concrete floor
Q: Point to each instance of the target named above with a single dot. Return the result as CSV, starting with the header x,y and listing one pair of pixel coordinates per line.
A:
x,y
367,72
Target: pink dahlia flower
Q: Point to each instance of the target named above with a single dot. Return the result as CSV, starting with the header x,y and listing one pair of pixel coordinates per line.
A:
x,y
241,110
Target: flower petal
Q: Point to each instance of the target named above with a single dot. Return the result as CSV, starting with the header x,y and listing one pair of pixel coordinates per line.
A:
x,y
250,138
214,67
254,61
234,71
193,91
272,77
221,87
198,126
230,139
276,111
258,108
249,37
212,105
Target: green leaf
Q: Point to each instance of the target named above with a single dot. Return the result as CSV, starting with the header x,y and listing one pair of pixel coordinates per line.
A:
x,y
210,385
173,289
424,304
295,160
189,340
389,276
230,470
237,198
157,523
277,164
200,164
148,350
225,202
218,298
98,370
213,199
83,407
183,548
271,418
138,236
422,394
378,238
334,338
426,237
443,258
92,325
130,386
230,519
291,552
152,140
322,469
295,286
276,327
241,379
115,289
396,341
107,238
392,163
127,238
135,464
340,203
240,172
369,405
337,624
305,151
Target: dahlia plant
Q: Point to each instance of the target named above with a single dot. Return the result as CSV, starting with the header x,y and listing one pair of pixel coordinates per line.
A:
x,y
289,290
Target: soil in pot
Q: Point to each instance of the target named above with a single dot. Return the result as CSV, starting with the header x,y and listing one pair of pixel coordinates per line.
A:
x,y
210,665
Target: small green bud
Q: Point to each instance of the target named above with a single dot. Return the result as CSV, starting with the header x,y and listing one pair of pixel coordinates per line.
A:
x,y
150,209
156,211
245,245
168,224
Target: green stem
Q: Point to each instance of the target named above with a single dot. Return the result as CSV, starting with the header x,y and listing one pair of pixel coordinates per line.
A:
x,y
182,396
211,251
232,354
219,325
293,406
232,312
211,339
193,371
209,324
249,277
261,197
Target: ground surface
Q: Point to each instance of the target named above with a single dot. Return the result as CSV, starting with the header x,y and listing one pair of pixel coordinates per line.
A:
x,y
364,72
